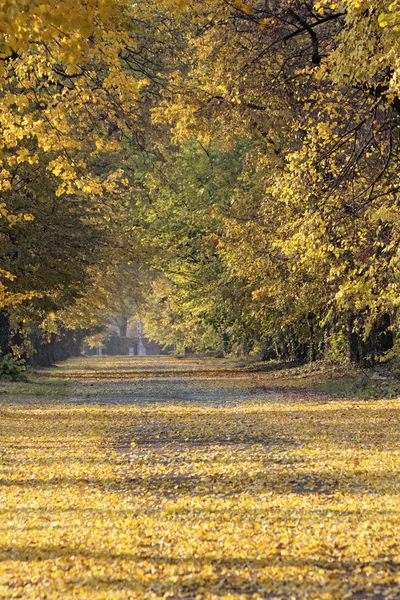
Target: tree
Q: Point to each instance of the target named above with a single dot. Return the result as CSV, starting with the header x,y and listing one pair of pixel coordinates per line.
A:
x,y
116,293
67,102
245,152
320,246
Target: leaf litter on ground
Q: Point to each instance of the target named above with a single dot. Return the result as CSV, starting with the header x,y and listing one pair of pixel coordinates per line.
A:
x,y
224,492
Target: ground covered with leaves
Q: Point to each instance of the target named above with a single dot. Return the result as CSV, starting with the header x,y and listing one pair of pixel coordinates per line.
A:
x,y
206,484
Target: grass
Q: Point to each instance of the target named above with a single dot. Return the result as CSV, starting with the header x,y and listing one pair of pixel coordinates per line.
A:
x,y
278,497
34,388
345,381
360,387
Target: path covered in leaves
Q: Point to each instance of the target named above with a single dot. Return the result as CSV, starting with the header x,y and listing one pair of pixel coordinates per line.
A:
x,y
155,478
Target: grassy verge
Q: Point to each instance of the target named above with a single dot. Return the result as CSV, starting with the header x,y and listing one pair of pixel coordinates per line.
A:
x,y
50,389
344,381
360,387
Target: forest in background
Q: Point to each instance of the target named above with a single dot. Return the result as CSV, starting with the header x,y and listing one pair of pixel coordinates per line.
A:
x,y
228,171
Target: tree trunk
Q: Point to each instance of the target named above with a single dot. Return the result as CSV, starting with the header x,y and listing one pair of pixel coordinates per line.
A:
x,y
383,335
69,334
51,347
78,342
226,341
43,355
122,325
4,333
17,341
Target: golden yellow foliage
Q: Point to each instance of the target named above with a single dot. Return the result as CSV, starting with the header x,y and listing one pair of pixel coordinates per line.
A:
x,y
63,90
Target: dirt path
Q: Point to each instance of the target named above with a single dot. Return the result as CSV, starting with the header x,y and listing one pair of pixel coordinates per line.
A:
x,y
153,478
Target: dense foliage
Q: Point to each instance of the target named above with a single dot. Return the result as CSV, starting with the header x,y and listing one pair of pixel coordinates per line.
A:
x,y
241,157
11,369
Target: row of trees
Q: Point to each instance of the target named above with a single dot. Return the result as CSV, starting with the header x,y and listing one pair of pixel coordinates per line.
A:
x,y
275,205
231,168
68,113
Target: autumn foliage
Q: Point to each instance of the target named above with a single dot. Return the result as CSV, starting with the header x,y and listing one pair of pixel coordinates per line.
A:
x,y
206,487
242,155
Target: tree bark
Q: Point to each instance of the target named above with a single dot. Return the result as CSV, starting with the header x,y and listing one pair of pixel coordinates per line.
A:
x,y
122,325
78,342
4,333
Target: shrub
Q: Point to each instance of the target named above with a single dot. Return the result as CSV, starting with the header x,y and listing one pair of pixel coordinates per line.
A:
x,y
12,369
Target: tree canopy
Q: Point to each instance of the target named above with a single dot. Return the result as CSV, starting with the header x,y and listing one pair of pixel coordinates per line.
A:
x,y
242,157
